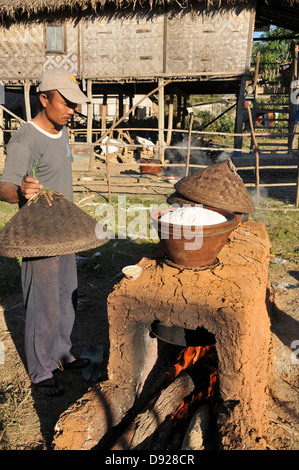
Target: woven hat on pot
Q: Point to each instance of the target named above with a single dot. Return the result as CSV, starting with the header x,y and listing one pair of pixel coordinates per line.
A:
x,y
50,225
217,186
180,200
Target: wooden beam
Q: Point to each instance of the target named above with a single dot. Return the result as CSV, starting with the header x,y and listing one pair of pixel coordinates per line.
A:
x,y
161,119
89,111
1,132
257,158
104,114
27,85
189,144
120,105
132,109
239,113
170,119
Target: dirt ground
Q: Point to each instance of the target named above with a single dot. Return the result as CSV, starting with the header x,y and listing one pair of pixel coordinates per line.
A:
x,y
28,419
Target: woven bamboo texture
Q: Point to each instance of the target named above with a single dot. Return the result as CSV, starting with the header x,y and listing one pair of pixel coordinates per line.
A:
x,y
49,225
137,45
217,186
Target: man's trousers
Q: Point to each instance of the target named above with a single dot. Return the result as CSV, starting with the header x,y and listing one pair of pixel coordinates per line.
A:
x,y
50,293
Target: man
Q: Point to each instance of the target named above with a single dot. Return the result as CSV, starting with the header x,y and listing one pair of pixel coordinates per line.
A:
x,y
49,284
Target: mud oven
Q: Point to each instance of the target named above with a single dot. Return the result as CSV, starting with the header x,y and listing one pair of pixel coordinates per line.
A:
x,y
165,311
228,301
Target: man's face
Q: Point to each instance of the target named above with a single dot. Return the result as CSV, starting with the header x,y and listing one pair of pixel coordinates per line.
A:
x,y
58,109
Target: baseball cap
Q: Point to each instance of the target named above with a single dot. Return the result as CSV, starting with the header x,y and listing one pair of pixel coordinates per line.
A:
x,y
62,81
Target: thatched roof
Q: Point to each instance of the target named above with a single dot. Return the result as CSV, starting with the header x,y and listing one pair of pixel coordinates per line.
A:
x,y
13,7
282,13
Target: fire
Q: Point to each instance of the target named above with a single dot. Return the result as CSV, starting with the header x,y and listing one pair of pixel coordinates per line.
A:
x,y
190,356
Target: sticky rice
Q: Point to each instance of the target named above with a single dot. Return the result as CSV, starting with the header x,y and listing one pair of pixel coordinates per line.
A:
x,y
195,216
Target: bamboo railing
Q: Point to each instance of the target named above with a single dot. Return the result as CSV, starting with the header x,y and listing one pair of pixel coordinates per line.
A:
x,y
76,134
256,168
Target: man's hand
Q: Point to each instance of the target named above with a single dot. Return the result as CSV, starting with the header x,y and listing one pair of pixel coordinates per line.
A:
x,y
30,186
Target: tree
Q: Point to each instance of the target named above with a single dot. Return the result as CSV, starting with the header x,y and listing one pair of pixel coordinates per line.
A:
x,y
274,52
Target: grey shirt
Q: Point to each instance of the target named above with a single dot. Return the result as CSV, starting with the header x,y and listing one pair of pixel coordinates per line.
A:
x,y
31,144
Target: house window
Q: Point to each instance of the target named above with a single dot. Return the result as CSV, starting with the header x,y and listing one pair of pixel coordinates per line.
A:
x,y
55,42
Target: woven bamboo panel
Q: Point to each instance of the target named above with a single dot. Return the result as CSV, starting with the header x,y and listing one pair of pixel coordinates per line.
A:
x,y
69,60
208,43
123,48
135,46
21,51
187,44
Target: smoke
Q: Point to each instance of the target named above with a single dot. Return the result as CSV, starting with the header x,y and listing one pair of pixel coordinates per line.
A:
x,y
179,154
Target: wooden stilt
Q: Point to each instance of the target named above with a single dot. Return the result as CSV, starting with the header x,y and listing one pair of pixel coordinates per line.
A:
x,y
297,197
189,143
107,156
27,100
1,133
161,119
257,169
170,119
103,114
89,111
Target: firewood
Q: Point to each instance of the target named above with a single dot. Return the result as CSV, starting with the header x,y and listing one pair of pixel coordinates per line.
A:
x,y
197,430
138,434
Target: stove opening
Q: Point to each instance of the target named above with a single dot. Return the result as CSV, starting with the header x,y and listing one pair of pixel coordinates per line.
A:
x,y
195,360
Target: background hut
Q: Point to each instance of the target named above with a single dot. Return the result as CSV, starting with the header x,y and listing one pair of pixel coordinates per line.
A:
x,y
129,48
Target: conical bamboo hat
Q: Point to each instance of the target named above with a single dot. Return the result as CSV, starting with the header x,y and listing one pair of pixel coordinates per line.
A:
x,y
50,225
177,198
218,186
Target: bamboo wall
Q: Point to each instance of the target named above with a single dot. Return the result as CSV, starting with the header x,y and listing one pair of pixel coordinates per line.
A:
x,y
181,45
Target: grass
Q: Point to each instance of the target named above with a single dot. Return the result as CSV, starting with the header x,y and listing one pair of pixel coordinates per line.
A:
x,y
16,401
281,224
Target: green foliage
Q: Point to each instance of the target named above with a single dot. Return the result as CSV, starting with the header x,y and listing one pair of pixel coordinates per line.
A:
x,y
275,51
223,124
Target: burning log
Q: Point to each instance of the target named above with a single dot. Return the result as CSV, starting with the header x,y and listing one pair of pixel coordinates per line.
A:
x,y
138,434
170,434
164,422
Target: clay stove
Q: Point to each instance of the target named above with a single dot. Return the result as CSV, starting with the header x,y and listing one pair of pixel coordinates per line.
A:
x,y
228,301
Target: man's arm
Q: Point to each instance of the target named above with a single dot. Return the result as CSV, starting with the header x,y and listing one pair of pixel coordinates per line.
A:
x,y
12,193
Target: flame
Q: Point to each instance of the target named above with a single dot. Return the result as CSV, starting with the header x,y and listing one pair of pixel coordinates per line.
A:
x,y
213,380
190,356
187,358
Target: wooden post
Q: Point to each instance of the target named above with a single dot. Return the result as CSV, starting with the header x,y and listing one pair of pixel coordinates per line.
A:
x,y
104,114
238,140
189,143
170,119
107,156
184,113
89,111
1,132
257,169
130,111
120,105
161,119
256,76
179,108
27,100
293,103
130,106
